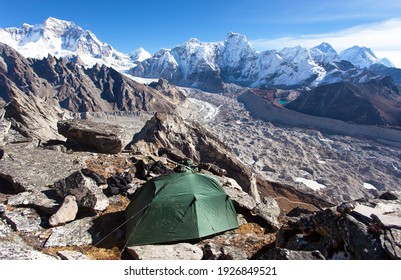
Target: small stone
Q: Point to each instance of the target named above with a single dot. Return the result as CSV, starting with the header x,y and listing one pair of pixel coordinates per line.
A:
x,y
67,212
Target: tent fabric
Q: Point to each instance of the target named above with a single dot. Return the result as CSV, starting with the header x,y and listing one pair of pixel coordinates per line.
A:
x,y
178,206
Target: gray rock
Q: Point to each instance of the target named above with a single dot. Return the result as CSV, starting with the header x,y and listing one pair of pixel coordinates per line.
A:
x,y
23,219
391,241
102,137
85,190
12,247
180,251
67,212
72,255
5,229
359,242
285,254
268,209
35,199
76,233
236,194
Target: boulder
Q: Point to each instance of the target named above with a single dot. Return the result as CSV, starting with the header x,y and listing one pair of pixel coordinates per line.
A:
x,y
359,241
76,233
180,251
66,213
85,190
101,137
268,209
285,254
390,195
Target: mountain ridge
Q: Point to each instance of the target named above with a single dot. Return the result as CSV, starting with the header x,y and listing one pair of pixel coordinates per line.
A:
x,y
198,64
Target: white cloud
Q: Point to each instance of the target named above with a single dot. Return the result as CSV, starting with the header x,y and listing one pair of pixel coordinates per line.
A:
x,y
384,38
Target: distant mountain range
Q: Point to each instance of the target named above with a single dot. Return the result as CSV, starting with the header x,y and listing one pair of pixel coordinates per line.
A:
x,y
208,66
65,39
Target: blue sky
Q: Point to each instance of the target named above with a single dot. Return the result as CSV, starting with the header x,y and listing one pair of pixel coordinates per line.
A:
x,y
268,24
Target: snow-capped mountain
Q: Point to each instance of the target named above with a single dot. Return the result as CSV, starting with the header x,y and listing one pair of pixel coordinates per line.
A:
x,y
234,60
63,39
199,64
324,53
361,57
139,55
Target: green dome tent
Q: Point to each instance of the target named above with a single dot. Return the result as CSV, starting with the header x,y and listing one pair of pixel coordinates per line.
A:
x,y
176,207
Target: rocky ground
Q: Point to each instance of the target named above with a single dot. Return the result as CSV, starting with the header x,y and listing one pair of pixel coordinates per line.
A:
x,y
65,198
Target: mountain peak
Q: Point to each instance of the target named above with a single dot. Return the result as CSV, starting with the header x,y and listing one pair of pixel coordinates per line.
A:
x,y
325,47
362,57
236,36
139,54
54,23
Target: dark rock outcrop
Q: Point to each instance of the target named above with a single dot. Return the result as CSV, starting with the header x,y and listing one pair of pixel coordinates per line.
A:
x,y
367,230
186,139
84,189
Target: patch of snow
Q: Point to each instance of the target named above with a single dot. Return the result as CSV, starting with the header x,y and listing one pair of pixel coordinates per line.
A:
x,y
369,186
310,183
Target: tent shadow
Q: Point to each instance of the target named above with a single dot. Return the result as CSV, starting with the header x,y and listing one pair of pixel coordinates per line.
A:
x,y
108,231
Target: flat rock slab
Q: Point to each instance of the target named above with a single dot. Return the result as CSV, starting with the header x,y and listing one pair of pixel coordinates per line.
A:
x,y
27,168
102,137
76,233
180,251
